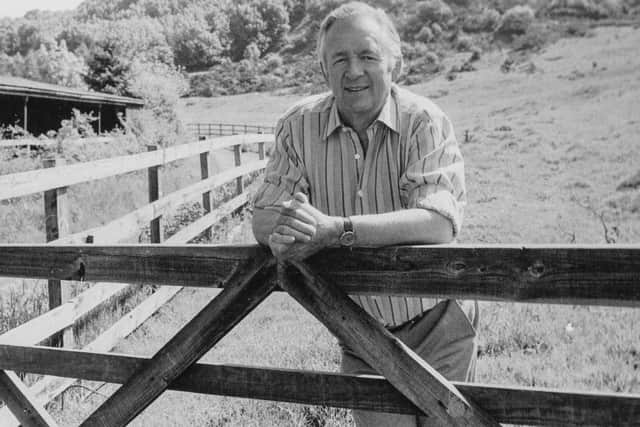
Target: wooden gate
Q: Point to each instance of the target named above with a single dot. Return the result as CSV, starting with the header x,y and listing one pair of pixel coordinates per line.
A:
x,y
590,275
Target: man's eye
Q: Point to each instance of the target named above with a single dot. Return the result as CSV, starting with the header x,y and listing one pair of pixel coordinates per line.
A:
x,y
338,61
370,58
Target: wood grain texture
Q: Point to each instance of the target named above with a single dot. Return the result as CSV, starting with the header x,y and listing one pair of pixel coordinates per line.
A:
x,y
176,265
587,275
560,274
385,353
40,180
246,288
130,224
511,405
17,397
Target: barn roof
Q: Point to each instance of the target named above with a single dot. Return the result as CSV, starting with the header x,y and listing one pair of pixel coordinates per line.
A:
x,y
23,87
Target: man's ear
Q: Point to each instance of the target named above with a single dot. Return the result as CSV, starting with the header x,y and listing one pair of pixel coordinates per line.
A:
x,y
396,70
324,73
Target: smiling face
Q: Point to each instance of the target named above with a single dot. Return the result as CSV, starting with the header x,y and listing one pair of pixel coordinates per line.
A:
x,y
358,68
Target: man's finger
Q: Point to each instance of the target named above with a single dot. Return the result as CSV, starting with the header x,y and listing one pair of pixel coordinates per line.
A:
x,y
299,236
308,228
301,197
281,239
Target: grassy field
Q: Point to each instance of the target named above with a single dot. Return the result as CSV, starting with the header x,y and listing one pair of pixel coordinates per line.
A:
x,y
547,147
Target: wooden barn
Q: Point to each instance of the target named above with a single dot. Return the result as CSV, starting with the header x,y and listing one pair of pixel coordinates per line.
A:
x,y
39,107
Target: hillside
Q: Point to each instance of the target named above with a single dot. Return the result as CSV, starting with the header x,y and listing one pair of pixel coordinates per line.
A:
x,y
550,149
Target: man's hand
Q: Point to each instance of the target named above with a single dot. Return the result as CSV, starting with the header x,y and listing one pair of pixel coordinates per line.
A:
x,y
302,230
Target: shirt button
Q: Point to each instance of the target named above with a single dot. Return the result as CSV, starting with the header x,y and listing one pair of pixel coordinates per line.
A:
x,y
359,193
357,156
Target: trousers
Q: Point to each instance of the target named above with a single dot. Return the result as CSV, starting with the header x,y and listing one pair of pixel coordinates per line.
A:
x,y
445,337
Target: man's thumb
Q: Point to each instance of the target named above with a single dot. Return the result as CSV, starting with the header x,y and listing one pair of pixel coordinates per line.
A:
x,y
301,197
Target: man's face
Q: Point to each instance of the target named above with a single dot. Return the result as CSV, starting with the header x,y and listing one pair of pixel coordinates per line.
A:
x,y
358,68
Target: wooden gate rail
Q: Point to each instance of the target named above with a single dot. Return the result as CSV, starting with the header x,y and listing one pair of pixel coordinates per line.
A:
x,y
556,274
511,405
538,273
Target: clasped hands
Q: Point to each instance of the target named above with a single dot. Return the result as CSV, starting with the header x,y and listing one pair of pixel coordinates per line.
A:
x,y
302,230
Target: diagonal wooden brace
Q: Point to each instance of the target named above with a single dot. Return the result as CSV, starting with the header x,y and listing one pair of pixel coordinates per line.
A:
x,y
21,403
405,370
244,291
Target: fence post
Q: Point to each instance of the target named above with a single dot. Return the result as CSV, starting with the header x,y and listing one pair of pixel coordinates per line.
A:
x,y
198,131
206,196
236,155
220,129
155,229
261,150
56,224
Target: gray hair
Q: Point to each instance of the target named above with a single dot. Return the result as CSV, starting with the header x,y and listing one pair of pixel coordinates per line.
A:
x,y
355,8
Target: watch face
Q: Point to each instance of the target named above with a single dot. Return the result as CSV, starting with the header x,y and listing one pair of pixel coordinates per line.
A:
x,y
347,238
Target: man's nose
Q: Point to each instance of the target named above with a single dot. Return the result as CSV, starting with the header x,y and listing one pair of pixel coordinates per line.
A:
x,y
354,68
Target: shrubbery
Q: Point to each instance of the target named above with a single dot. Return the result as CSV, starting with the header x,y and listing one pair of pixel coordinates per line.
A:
x,y
485,20
515,21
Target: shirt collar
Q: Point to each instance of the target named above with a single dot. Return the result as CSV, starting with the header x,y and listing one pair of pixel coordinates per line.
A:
x,y
387,116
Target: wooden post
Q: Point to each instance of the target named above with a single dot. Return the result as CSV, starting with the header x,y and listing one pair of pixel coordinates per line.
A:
x,y
261,150
206,196
220,129
56,224
99,119
155,229
236,155
25,120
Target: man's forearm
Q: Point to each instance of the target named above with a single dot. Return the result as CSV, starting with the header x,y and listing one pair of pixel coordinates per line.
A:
x,y
418,226
408,226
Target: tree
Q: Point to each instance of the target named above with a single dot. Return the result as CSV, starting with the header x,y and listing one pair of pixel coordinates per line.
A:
x,y
263,22
194,42
107,71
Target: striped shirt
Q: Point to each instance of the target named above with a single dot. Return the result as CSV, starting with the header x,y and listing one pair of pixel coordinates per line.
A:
x,y
412,161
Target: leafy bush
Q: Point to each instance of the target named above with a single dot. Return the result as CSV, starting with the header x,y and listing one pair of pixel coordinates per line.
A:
x,y
79,125
428,12
160,86
484,21
515,21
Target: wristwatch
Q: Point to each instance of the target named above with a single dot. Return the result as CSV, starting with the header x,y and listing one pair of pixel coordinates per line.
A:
x,y
348,237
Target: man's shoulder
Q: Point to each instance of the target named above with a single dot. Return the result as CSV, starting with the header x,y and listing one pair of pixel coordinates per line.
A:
x,y
311,104
412,104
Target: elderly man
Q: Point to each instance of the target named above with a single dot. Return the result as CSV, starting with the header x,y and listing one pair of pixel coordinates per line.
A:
x,y
370,164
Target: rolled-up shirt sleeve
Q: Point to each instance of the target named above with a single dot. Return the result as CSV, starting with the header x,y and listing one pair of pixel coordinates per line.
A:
x,y
434,175
284,174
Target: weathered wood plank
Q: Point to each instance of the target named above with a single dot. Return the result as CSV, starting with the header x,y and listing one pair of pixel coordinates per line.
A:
x,y
247,288
130,224
178,265
36,181
512,405
595,275
389,356
17,397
